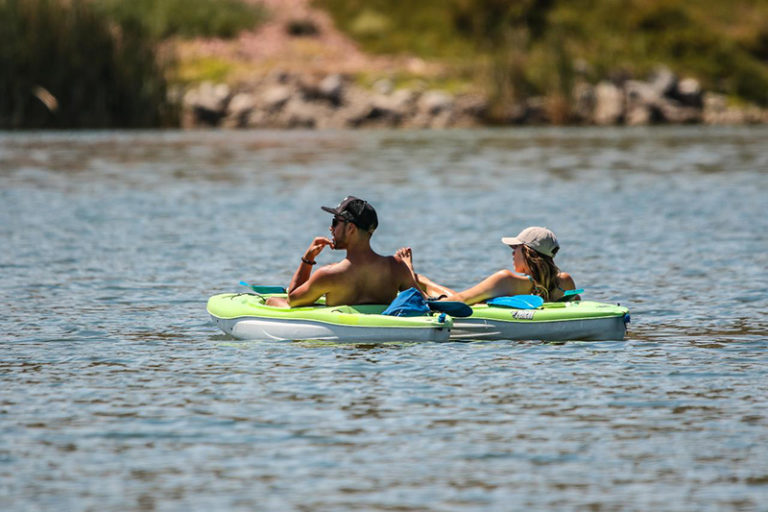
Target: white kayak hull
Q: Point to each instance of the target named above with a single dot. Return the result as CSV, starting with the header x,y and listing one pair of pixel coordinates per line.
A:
x,y
591,329
268,329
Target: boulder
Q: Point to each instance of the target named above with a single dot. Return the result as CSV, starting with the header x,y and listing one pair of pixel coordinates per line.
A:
x,y
206,104
378,111
609,104
689,93
674,112
239,110
641,101
664,81
331,88
275,97
435,102
469,109
401,102
298,113
717,110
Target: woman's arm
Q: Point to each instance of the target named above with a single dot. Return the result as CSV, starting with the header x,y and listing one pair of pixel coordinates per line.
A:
x,y
503,282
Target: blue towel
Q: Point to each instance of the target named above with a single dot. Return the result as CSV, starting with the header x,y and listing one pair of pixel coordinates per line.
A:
x,y
409,302
517,301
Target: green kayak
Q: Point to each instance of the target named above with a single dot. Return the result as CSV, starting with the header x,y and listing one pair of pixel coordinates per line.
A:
x,y
246,316
553,321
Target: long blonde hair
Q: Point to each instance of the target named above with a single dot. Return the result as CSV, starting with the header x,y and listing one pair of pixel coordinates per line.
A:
x,y
543,271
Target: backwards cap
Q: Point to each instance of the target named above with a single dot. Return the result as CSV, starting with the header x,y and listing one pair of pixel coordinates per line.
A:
x,y
356,211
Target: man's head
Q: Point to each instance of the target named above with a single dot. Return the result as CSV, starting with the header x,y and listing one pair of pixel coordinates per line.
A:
x,y
356,211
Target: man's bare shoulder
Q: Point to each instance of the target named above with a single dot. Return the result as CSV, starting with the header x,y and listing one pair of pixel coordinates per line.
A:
x,y
334,269
396,264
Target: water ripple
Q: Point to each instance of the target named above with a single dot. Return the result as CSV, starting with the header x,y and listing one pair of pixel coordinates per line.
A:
x,y
119,394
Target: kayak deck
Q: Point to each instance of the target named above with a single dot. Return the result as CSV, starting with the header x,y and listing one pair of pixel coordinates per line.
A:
x,y
553,321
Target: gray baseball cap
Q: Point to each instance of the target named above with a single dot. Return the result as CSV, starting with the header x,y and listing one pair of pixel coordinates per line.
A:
x,y
539,239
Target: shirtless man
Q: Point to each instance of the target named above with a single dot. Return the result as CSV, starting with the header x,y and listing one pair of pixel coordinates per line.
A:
x,y
363,277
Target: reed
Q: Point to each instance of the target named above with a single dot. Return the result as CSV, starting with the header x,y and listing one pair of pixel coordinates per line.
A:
x,y
96,64
67,65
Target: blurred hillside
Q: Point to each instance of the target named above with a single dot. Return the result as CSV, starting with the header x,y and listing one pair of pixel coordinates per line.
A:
x,y
548,43
340,63
530,61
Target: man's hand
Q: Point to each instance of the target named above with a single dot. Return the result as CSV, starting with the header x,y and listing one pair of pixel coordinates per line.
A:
x,y
316,247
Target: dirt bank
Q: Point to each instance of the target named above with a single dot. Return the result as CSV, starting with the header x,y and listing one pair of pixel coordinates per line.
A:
x,y
315,46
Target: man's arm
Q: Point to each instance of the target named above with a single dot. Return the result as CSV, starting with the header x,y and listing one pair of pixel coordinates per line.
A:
x,y
307,261
406,276
312,289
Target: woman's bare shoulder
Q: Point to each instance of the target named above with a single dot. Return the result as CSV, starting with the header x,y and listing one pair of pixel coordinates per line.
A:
x,y
566,281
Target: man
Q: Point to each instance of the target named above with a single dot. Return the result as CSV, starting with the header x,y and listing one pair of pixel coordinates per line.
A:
x,y
363,277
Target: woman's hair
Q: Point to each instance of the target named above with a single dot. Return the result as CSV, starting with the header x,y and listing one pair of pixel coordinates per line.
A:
x,y
543,272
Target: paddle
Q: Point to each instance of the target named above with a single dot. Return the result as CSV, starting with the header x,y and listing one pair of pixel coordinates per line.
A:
x,y
568,293
454,308
263,289
517,301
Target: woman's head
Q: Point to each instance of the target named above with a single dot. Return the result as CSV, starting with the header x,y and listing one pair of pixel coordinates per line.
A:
x,y
534,249
541,240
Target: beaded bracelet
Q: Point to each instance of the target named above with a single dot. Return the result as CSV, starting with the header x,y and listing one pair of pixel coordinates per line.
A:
x,y
305,260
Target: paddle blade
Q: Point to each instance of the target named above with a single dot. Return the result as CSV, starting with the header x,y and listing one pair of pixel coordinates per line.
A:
x,y
517,301
263,289
454,308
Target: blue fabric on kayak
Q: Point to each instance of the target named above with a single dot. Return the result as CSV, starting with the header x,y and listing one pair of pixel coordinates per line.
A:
x,y
453,308
409,302
517,301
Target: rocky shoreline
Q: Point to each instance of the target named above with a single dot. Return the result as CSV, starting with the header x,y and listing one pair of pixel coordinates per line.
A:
x,y
284,100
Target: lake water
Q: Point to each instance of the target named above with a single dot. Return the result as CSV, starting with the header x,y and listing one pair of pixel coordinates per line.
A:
x,y
119,394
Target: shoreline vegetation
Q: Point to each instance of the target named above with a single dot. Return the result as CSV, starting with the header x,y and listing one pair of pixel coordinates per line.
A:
x,y
381,63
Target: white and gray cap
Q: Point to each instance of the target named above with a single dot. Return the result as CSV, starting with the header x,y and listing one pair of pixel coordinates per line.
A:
x,y
541,240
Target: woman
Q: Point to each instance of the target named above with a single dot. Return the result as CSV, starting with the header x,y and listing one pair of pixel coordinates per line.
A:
x,y
535,272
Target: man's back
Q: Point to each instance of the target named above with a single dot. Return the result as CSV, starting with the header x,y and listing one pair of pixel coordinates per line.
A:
x,y
376,280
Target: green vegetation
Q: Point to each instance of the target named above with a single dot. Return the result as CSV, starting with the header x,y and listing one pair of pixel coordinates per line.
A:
x,y
530,47
96,64
202,69
186,18
65,65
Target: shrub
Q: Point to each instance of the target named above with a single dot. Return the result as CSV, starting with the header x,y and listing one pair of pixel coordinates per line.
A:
x,y
187,18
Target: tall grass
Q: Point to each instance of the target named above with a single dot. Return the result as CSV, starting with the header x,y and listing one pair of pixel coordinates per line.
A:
x,y
66,65
95,63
